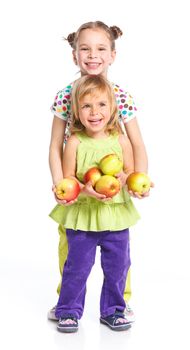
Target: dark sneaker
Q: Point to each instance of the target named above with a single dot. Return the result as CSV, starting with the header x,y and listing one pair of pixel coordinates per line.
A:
x,y
67,325
117,322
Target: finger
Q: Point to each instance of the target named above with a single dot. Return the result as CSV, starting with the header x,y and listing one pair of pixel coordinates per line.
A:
x,y
146,194
118,174
61,201
100,196
53,188
106,199
96,194
137,195
131,193
68,203
89,184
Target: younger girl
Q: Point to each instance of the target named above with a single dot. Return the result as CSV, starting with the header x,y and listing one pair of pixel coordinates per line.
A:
x,y
93,51
92,222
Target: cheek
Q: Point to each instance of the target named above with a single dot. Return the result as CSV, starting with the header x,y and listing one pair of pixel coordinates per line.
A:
x,y
107,116
82,116
107,59
80,57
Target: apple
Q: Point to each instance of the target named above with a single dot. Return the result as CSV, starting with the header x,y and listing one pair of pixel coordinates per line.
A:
x,y
138,182
107,185
111,164
92,175
67,189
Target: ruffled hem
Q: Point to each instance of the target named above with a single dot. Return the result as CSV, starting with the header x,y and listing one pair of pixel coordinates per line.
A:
x,y
97,217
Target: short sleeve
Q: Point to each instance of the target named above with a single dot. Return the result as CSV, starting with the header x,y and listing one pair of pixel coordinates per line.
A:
x,y
62,103
126,105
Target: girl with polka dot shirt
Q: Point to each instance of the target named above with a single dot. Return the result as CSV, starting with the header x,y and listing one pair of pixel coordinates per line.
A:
x,y
93,52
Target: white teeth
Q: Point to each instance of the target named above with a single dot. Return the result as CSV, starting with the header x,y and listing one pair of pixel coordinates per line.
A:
x,y
93,64
95,121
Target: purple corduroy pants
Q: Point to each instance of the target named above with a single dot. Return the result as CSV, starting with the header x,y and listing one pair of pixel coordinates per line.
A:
x,y
115,262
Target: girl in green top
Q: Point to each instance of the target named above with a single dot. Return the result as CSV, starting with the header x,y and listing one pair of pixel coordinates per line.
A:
x,y
91,219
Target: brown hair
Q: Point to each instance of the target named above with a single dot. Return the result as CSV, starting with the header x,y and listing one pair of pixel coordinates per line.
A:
x,y
93,84
113,33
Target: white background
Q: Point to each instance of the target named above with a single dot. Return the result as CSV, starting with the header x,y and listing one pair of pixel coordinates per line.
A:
x,y
153,65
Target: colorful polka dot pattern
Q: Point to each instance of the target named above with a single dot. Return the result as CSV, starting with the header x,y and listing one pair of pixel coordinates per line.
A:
x,y
126,105
62,105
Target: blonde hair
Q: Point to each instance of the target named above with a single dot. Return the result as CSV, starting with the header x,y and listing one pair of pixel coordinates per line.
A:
x,y
92,85
112,32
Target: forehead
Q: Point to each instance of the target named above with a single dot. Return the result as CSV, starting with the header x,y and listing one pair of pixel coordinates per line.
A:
x,y
95,96
93,35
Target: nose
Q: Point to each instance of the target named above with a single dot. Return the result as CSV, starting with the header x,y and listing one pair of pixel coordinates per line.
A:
x,y
92,53
94,110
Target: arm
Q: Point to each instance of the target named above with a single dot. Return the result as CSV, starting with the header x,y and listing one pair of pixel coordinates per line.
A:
x,y
127,113
61,117
56,153
128,160
139,150
56,149
69,157
69,164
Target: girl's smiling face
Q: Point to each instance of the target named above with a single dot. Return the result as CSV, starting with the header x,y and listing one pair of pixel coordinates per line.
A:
x,y
94,113
93,52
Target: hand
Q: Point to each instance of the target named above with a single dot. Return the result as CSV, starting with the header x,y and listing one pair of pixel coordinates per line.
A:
x,y
89,190
62,201
141,196
122,177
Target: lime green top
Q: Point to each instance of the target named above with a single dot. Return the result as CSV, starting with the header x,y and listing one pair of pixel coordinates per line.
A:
x,y
88,213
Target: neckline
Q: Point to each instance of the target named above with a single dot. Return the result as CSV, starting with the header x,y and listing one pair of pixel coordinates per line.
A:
x,y
103,139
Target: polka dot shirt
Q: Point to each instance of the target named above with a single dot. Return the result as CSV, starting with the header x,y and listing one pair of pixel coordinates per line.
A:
x,y
62,105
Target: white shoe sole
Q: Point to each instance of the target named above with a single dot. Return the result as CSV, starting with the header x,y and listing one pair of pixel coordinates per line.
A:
x,y
51,316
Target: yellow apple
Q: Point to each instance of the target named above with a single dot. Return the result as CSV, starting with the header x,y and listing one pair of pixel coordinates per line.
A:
x,y
111,164
138,182
107,185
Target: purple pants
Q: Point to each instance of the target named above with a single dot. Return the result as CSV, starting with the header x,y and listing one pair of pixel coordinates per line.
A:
x,y
115,262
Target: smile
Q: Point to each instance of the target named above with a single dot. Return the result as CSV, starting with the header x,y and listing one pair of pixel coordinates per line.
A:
x,y
95,121
93,65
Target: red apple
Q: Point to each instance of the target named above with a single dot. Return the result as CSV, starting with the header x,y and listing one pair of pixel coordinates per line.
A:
x,y
92,175
138,182
67,189
107,185
111,164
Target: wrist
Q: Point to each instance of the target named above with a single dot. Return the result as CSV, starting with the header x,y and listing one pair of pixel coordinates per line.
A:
x,y
57,181
128,172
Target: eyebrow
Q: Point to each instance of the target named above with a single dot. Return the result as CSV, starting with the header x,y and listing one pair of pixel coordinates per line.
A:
x,y
103,45
89,103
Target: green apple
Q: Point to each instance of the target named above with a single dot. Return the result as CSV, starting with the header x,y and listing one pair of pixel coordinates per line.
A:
x,y
107,185
111,164
138,182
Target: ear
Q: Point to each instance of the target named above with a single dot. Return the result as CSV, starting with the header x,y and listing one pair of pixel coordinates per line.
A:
x,y
113,55
74,57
